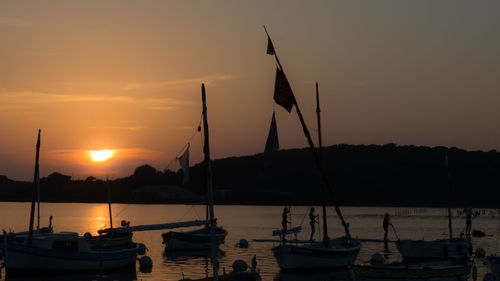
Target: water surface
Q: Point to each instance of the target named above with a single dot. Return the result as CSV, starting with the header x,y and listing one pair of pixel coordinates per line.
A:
x,y
249,222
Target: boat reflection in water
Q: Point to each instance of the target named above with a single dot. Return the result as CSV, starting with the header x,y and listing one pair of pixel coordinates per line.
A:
x,y
449,269
354,275
184,255
318,275
109,275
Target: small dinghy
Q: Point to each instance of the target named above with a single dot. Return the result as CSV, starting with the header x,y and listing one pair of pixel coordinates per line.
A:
x,y
198,239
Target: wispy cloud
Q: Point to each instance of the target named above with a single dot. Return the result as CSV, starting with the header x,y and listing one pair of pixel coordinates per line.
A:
x,y
163,101
14,22
125,128
15,101
178,84
163,108
44,98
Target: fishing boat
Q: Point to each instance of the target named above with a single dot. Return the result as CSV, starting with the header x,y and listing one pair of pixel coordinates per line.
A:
x,y
330,253
65,251
449,268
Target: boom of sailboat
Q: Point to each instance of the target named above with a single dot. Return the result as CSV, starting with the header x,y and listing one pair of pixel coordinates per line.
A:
x,y
160,226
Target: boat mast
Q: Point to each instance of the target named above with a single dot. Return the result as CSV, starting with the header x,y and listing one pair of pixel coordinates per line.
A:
x,y
323,188
208,181
35,183
109,204
38,202
450,190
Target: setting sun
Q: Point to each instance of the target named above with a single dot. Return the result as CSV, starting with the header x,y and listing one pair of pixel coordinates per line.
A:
x,y
100,155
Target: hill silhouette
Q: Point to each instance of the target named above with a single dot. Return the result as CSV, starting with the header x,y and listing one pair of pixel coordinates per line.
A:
x,y
368,175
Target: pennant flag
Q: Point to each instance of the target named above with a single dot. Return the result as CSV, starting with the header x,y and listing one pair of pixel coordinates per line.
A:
x,y
184,162
270,47
283,94
272,143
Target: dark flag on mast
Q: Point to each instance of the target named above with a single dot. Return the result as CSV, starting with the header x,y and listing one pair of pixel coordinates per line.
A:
x,y
283,94
270,47
272,143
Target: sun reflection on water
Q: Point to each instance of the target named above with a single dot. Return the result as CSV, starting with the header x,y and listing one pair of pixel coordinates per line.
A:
x,y
99,218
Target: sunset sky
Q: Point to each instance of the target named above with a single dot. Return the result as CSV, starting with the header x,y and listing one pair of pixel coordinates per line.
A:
x,y
126,76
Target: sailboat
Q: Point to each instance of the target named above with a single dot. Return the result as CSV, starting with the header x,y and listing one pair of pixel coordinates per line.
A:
x,y
65,251
39,230
336,253
443,258
198,239
452,247
238,273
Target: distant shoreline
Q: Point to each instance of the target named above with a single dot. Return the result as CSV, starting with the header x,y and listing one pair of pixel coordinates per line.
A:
x,y
360,175
232,204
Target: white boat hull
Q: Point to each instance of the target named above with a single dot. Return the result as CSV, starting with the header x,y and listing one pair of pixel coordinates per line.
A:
x,y
315,256
68,252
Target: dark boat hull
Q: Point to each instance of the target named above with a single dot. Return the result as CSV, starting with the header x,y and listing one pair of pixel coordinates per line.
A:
x,y
199,239
316,256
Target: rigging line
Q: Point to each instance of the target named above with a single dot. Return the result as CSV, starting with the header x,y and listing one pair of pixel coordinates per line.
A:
x,y
196,213
122,210
189,210
303,218
312,129
184,147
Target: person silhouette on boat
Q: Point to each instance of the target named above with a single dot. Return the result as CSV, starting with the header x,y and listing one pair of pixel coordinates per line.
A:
x,y
284,222
468,221
385,224
312,222
50,224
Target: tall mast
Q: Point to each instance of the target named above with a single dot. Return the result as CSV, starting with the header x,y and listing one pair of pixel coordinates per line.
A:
x,y
449,200
108,191
323,187
35,183
38,202
208,180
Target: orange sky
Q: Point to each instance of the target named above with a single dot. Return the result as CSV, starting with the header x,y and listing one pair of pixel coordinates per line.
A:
x,y
126,75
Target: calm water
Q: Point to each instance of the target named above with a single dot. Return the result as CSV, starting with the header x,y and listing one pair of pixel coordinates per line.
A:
x,y
250,222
